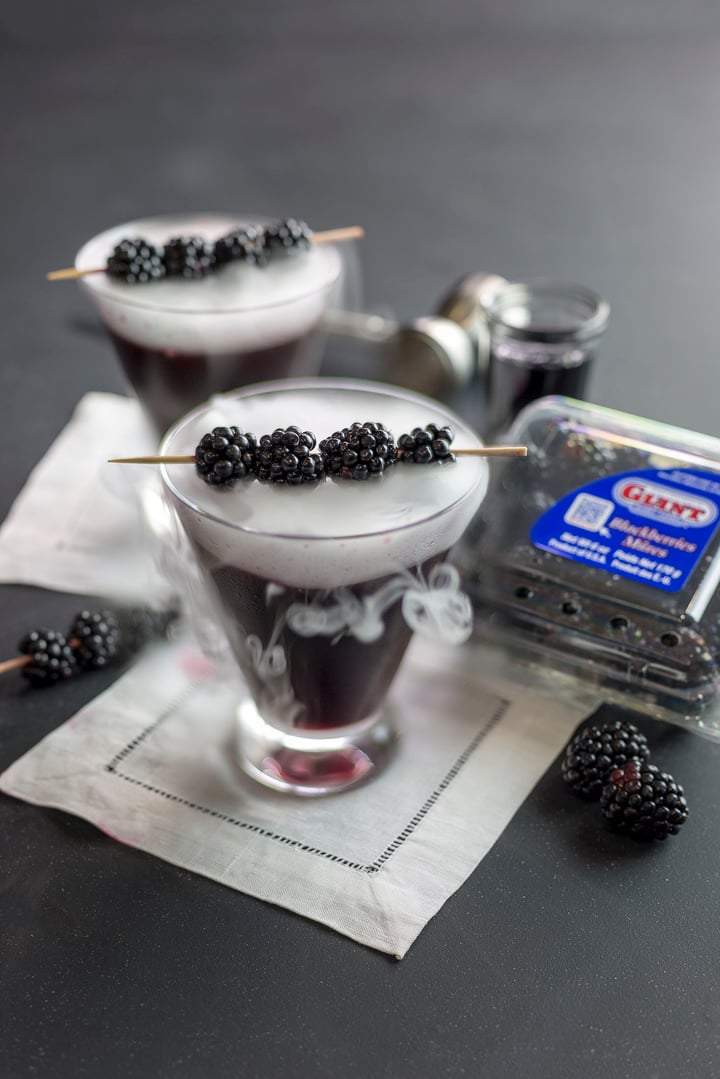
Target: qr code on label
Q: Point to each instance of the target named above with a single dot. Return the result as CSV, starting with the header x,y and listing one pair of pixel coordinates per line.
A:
x,y
589,512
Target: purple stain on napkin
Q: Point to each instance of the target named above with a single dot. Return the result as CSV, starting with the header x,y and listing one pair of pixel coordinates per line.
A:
x,y
112,835
195,665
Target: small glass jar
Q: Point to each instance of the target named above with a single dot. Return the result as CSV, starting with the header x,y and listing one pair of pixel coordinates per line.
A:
x,y
544,338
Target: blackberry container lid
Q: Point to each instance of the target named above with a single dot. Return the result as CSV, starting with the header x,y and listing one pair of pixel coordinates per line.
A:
x,y
598,556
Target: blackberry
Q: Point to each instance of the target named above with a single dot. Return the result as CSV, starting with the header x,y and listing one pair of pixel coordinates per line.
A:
x,y
426,444
359,452
95,639
224,455
595,751
189,256
136,262
643,801
140,625
287,236
244,245
51,657
285,457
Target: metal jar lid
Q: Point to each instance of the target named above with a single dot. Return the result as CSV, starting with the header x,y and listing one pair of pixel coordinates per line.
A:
x,y
468,303
432,355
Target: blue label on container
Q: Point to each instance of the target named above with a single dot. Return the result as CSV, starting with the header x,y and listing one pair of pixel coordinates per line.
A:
x,y
651,525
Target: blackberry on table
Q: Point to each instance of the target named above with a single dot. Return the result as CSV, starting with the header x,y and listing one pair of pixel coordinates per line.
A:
x,y
95,639
643,801
596,751
51,657
224,455
359,452
189,256
286,457
423,445
136,262
289,236
243,245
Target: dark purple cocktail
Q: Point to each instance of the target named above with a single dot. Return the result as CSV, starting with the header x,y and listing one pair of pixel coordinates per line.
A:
x,y
180,341
319,589
334,682
170,383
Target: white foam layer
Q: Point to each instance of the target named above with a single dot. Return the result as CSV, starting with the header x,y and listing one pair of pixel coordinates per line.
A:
x,y
337,532
238,308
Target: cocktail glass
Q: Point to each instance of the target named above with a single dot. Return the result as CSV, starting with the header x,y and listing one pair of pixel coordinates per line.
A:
x,y
179,341
319,588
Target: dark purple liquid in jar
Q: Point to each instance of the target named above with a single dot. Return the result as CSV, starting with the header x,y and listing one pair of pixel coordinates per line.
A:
x,y
544,337
330,680
170,383
519,374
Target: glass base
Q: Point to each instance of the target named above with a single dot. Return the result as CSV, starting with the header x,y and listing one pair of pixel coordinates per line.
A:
x,y
313,763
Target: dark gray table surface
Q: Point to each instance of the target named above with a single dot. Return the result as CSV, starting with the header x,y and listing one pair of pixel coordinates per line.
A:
x,y
562,138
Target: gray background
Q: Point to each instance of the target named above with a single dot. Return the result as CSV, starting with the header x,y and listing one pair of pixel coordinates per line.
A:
x,y
557,138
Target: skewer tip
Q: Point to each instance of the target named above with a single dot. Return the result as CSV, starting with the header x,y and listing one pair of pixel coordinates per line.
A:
x,y
153,459
67,274
14,664
492,451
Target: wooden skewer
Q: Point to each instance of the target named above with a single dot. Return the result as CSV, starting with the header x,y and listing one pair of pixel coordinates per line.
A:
x,y
329,236
335,236
189,459
493,451
70,273
14,664
182,459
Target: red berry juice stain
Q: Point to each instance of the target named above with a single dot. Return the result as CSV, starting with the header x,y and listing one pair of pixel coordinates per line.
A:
x,y
327,770
196,665
112,835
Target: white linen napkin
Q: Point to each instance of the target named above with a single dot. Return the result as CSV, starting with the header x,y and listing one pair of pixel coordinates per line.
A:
x,y
78,524
152,763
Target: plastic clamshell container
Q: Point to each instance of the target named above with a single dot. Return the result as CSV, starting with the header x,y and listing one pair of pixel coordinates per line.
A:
x,y
598,556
